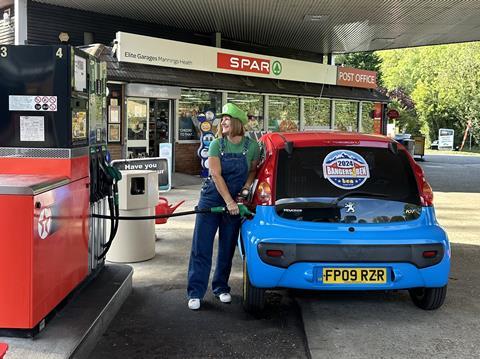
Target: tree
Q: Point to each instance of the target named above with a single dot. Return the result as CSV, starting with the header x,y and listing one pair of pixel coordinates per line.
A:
x,y
442,82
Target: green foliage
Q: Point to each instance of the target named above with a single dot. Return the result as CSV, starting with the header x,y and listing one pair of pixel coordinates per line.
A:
x,y
408,120
443,83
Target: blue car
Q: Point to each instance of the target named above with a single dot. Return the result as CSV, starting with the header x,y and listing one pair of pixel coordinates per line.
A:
x,y
342,211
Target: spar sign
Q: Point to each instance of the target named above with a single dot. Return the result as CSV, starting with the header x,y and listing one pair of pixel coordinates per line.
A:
x,y
248,64
345,169
152,51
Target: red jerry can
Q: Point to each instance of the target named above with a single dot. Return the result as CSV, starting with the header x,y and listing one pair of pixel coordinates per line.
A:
x,y
3,349
163,207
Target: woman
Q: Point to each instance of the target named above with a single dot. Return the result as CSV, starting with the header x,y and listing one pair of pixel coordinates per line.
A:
x,y
232,160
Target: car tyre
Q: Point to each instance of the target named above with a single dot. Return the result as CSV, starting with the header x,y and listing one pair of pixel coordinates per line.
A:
x,y
253,297
428,298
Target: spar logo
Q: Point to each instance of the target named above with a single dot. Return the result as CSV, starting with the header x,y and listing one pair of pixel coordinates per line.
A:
x,y
345,169
248,64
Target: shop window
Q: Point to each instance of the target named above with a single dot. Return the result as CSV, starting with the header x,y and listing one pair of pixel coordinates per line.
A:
x,y
137,118
345,116
114,101
283,115
316,113
193,103
367,120
253,106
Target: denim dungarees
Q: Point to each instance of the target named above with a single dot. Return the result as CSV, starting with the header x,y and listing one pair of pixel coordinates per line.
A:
x,y
235,173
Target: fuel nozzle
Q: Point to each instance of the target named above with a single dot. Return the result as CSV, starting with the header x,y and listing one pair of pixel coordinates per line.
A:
x,y
244,211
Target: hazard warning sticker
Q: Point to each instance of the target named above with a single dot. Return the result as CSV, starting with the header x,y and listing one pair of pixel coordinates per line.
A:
x,y
44,223
32,103
345,169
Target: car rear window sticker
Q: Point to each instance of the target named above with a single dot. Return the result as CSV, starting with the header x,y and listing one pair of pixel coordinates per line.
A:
x,y
345,169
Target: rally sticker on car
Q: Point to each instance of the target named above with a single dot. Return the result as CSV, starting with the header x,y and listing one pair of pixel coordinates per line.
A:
x,y
345,169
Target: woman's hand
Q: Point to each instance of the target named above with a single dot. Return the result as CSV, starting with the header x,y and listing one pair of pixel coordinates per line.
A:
x,y
232,207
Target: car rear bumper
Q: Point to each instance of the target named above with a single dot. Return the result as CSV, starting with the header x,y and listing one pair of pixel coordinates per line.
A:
x,y
400,253
308,275
310,247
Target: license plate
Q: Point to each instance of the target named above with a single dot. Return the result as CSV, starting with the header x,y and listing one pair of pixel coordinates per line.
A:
x,y
354,275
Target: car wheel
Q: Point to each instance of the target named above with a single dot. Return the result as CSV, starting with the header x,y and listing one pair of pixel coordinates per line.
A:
x,y
428,298
253,297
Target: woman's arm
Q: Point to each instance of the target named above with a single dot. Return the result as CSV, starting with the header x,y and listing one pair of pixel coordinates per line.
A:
x,y
251,174
216,173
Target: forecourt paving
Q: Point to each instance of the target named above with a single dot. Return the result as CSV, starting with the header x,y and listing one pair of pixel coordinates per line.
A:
x,y
155,322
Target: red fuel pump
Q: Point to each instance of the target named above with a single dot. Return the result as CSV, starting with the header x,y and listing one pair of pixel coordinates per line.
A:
x,y
51,152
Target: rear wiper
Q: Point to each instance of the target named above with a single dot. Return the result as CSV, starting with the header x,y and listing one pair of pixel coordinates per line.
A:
x,y
357,193
306,205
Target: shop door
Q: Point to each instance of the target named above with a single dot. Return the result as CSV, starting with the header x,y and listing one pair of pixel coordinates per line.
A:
x,y
160,125
137,130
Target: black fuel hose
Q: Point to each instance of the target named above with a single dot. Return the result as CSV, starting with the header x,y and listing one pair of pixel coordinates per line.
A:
x,y
244,212
114,222
140,218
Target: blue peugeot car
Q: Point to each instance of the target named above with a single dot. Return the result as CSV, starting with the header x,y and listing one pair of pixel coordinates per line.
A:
x,y
342,211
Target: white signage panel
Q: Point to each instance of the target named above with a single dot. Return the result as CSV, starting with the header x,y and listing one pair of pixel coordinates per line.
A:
x,y
160,52
445,139
32,103
32,128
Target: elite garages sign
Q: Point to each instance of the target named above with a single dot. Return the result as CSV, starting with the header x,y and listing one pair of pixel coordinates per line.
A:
x,y
160,52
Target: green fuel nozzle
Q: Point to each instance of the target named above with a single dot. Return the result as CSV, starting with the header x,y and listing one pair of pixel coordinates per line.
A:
x,y
244,211
219,209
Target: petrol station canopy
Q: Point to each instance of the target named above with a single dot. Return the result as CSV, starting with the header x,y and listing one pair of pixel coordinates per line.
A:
x,y
324,26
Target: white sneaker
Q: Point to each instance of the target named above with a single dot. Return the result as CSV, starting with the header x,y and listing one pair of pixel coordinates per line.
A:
x,y
225,298
194,304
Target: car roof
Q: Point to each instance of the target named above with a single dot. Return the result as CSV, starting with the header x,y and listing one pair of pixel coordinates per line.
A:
x,y
326,138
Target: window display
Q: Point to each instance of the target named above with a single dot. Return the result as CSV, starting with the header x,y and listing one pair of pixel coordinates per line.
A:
x,y
346,115
137,118
283,114
316,113
193,103
113,132
367,120
253,105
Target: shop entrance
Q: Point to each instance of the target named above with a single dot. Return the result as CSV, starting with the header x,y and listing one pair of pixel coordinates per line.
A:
x,y
149,123
159,127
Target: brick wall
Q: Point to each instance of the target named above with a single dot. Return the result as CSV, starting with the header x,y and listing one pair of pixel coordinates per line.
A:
x,y
186,159
115,151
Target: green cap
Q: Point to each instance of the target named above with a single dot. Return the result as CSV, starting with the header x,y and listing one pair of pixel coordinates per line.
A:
x,y
232,110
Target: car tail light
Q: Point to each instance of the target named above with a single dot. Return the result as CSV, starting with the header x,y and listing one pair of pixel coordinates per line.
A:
x,y
429,254
424,188
274,252
426,194
264,194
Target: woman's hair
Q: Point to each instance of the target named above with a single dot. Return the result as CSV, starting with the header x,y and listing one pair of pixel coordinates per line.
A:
x,y
236,128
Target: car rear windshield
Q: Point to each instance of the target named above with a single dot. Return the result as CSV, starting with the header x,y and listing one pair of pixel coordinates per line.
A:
x,y
387,190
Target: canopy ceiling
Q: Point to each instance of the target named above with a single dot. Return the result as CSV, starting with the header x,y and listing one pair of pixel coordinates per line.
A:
x,y
323,26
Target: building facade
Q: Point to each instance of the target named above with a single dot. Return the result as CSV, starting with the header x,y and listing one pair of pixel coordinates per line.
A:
x,y
161,79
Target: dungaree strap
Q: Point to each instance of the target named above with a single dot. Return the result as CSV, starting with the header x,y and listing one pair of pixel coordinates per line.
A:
x,y
222,146
245,145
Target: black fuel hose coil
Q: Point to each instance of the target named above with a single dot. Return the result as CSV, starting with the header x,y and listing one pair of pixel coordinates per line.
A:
x,y
244,212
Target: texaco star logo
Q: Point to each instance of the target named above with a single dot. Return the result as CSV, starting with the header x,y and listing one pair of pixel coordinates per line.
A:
x,y
44,223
